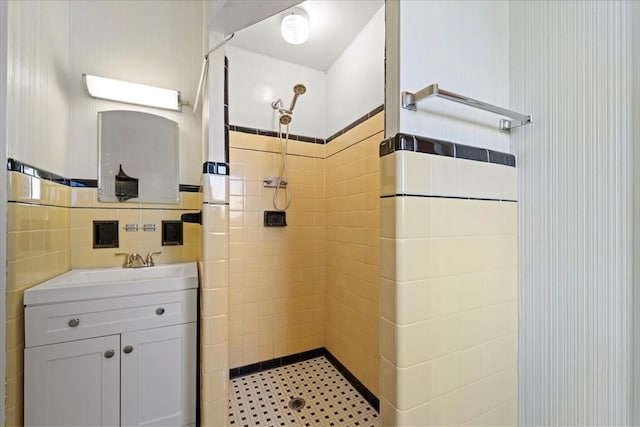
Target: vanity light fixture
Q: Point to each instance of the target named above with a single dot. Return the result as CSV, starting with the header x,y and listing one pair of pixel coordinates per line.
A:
x,y
132,93
295,26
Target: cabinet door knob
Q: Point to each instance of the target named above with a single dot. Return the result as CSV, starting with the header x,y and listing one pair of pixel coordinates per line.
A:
x,y
160,311
74,322
128,349
109,354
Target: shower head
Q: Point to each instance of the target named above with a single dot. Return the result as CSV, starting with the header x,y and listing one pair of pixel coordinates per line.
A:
x,y
299,89
285,119
285,114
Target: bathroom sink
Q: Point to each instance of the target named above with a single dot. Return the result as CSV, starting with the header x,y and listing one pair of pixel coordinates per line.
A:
x,y
92,283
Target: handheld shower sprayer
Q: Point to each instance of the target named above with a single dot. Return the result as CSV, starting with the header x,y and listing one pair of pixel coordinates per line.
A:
x,y
285,114
285,119
283,135
298,90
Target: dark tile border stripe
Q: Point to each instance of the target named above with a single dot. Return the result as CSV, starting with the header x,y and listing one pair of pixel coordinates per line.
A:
x,y
190,188
388,196
87,183
275,363
18,166
14,165
215,168
301,357
362,389
301,138
274,134
358,121
421,144
226,109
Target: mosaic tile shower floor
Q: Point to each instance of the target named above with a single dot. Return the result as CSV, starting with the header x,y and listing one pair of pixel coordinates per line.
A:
x,y
262,399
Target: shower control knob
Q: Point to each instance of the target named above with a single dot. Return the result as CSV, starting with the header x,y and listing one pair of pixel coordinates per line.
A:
x,y
74,322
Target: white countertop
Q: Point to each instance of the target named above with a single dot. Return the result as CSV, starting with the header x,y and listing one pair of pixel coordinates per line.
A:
x,y
96,283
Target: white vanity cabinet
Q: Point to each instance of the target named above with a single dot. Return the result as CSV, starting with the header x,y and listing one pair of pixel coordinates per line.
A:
x,y
73,384
118,361
158,376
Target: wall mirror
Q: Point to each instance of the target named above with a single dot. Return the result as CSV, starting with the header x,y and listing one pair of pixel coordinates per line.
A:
x,y
137,158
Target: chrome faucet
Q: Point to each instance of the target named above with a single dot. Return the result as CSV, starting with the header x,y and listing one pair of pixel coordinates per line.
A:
x,y
149,260
135,260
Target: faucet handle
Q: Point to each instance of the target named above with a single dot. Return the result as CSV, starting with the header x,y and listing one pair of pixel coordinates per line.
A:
x,y
127,260
150,255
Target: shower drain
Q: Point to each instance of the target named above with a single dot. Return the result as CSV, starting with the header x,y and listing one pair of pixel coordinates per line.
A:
x,y
297,403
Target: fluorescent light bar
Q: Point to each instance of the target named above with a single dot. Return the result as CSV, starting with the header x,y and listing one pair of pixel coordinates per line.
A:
x,y
132,93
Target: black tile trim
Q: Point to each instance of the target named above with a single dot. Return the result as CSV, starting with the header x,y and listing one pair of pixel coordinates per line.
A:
x,y
358,121
140,207
87,183
19,202
362,389
215,204
275,363
388,196
27,169
421,144
190,188
274,134
14,165
301,357
301,138
215,168
226,109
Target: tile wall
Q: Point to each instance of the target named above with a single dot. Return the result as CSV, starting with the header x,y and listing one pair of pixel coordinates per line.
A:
x,y
449,291
352,252
214,302
49,229
86,208
315,282
277,274
38,224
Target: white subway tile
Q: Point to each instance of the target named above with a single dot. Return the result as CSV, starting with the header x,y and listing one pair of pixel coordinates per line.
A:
x,y
413,385
413,301
215,189
417,175
413,217
414,343
414,259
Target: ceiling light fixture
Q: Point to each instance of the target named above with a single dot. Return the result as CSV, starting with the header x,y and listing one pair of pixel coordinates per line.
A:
x,y
132,93
295,26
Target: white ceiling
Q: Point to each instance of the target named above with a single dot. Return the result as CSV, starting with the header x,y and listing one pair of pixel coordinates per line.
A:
x,y
333,26
227,16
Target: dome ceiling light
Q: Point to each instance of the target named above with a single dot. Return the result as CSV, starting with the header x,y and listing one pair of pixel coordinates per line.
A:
x,y
295,26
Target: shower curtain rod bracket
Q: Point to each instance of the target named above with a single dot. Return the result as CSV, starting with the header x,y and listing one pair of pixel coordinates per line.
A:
x,y
410,99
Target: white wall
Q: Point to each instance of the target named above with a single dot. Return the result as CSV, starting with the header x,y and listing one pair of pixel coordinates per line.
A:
x,y
351,87
355,81
256,80
213,102
464,47
571,69
635,111
154,43
37,89
3,195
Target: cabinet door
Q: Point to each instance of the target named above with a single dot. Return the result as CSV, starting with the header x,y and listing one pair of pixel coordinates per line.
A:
x,y
73,384
159,376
